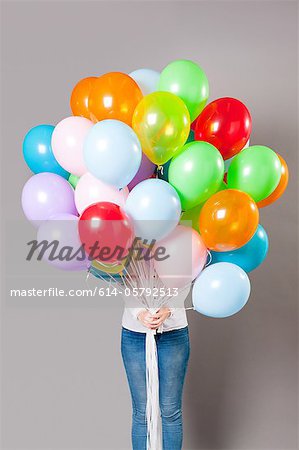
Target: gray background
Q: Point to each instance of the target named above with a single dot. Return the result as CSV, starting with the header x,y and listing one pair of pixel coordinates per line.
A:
x,y
63,385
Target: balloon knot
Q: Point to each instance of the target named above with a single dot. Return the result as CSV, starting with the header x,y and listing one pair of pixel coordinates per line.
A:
x,y
161,168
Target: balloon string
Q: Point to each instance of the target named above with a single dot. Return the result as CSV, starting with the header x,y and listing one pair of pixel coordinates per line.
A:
x,y
161,168
87,275
115,264
206,265
210,260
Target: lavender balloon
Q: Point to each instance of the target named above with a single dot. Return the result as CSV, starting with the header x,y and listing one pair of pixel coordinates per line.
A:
x,y
45,195
65,252
145,171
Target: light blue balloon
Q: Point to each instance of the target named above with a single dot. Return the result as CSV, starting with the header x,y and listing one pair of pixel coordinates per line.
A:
x,y
37,151
248,257
112,152
155,208
147,80
221,290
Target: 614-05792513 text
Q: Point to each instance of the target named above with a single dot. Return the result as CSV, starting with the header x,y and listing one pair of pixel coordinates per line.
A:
x,y
107,291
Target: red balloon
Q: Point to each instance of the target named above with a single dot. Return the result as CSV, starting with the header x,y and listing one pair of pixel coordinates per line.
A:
x,y
106,232
225,123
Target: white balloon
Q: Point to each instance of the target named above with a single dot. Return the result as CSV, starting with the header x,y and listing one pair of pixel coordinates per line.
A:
x,y
147,80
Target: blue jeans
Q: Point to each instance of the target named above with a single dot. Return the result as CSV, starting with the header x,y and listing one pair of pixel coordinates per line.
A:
x,y
173,355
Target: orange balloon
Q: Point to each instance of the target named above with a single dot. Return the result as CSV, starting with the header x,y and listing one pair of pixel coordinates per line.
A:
x,y
228,220
114,95
80,96
281,187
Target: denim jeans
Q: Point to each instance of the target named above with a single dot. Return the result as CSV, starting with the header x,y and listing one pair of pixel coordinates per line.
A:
x,y
173,355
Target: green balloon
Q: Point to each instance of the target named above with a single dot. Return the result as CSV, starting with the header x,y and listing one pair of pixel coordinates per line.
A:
x,y
222,186
255,170
189,82
196,173
163,170
73,180
191,216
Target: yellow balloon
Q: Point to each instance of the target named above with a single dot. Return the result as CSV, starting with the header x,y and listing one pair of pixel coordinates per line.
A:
x,y
162,123
112,269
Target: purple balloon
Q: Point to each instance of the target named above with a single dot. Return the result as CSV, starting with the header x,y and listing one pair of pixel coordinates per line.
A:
x,y
145,171
63,228
45,195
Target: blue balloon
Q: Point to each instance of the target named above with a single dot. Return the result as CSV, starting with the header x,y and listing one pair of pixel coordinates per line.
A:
x,y
37,151
250,256
155,208
112,152
221,290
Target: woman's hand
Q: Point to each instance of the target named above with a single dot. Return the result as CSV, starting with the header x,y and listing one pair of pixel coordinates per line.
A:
x,y
159,317
153,321
146,318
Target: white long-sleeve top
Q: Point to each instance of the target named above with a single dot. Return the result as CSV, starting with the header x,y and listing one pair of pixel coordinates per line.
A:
x,y
176,320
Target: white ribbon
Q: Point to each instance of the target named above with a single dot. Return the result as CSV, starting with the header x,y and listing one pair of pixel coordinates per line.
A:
x,y
154,427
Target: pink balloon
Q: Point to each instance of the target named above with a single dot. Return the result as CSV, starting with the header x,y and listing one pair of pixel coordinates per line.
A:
x,y
67,143
91,190
187,256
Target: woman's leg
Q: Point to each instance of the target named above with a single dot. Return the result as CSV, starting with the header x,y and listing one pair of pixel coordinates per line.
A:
x,y
133,353
173,355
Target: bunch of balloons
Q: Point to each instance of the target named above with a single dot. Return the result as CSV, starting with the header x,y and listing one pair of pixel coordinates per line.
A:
x,y
144,154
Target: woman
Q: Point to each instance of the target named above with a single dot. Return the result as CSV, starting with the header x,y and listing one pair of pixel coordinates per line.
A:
x,y
172,339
